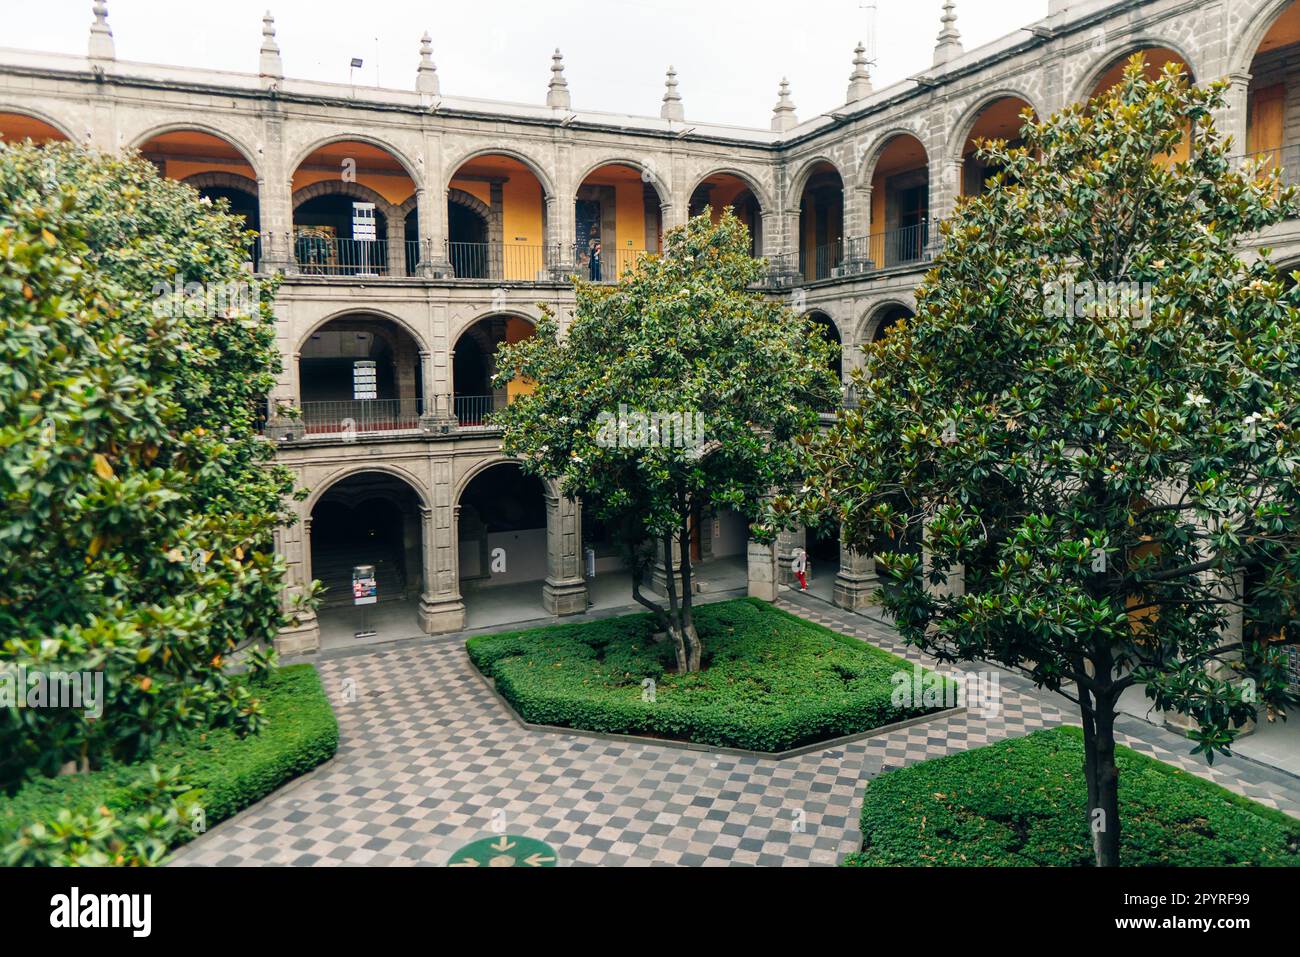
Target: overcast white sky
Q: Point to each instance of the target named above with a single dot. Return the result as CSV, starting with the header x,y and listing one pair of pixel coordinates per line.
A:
x,y
730,56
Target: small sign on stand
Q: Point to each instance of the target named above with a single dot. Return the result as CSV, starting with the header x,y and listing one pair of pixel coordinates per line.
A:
x,y
365,592
364,234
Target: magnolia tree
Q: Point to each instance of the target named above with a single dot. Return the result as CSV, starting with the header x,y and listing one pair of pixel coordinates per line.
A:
x,y
1080,459
137,503
674,393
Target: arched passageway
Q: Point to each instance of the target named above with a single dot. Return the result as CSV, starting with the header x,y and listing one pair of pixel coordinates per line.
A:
x,y
1273,99
831,333
900,204
497,221
998,120
721,190
16,127
821,223
474,365
502,546
617,221
350,213
216,168
360,376
367,519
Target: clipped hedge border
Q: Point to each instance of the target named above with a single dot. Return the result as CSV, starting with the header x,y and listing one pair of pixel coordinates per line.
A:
x,y
1022,802
542,675
226,773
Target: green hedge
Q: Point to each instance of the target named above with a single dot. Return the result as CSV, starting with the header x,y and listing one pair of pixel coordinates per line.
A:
x,y
771,681
1023,802
222,772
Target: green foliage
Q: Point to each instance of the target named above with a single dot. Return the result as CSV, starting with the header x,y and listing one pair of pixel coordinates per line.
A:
x,y
1102,477
771,681
133,814
137,503
685,335
1022,803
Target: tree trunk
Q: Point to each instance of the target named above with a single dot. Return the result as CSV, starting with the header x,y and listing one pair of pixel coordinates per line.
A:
x,y
675,630
694,651
1098,713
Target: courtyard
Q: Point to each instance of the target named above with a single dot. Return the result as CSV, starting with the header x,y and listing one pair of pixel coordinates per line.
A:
x,y
430,760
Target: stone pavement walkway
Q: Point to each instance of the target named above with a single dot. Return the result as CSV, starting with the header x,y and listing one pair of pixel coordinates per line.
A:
x,y
429,760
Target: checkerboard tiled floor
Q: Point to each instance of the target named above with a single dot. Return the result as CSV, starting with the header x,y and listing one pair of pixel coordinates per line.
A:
x,y
429,760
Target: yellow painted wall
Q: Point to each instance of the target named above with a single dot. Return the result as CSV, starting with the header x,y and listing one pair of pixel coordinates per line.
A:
x,y
1267,119
183,169
517,329
629,215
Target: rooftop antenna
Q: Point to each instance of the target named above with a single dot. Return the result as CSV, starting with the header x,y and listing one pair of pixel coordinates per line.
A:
x,y
869,37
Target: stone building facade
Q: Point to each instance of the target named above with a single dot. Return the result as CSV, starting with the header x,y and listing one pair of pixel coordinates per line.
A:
x,y
472,212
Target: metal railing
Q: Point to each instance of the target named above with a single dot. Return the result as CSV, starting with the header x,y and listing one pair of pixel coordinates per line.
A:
x,y
612,266
346,417
472,411
502,261
823,261
323,256
899,247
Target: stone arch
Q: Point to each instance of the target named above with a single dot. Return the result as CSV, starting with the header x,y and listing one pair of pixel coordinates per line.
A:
x,y
220,180
548,186
764,198
59,125
478,468
470,323
250,156
368,312
821,311
1083,90
655,180
408,167
1241,49
469,201
966,121
872,318
333,187
344,472
800,179
870,157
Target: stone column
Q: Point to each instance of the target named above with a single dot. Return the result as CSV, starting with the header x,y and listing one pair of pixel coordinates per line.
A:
x,y
857,227
431,209
1234,119
275,197
565,589
441,607
294,544
786,542
405,360
762,571
857,580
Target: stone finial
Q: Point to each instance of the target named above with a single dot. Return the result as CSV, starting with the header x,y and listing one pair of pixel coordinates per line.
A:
x,y
672,108
949,46
860,78
269,64
557,93
101,36
783,115
426,77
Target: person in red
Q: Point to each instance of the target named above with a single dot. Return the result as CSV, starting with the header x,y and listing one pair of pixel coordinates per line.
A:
x,y
799,565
